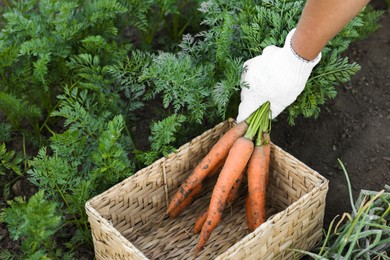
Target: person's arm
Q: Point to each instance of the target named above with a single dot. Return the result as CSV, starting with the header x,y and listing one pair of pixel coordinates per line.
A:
x,y
280,74
320,21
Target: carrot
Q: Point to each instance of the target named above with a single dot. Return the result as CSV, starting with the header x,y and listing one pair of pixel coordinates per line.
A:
x,y
186,202
257,168
249,214
217,154
216,169
234,191
230,199
200,221
235,163
267,151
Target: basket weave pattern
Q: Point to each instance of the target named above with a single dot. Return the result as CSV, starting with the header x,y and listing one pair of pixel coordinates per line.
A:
x,y
127,221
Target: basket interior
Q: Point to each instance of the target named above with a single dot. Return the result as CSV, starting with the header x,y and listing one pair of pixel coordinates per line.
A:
x,y
136,207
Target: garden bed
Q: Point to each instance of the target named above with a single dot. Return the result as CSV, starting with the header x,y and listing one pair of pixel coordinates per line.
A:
x,y
353,127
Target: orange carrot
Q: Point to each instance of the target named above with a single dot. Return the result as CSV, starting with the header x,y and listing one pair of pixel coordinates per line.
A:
x,y
249,214
230,199
200,221
216,169
186,202
267,151
235,163
234,191
257,168
217,154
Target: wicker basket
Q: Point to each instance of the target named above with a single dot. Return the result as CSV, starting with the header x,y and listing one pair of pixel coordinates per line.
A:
x,y
127,221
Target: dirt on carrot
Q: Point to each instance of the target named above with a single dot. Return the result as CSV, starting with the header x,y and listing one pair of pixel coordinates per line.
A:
x,y
236,162
217,154
186,202
229,201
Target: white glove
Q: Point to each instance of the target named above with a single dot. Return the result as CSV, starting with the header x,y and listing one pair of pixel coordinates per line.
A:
x,y
279,75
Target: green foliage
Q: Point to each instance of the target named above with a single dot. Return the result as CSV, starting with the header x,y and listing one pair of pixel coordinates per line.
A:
x,y
65,61
86,159
137,13
5,132
71,79
363,234
224,90
164,132
10,166
161,23
18,109
9,161
320,86
183,84
40,53
128,83
369,19
33,223
241,30
6,255
163,136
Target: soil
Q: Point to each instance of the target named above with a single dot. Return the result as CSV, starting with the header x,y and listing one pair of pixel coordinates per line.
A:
x,y
354,127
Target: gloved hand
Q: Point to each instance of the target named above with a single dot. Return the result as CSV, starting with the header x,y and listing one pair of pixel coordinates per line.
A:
x,y
279,75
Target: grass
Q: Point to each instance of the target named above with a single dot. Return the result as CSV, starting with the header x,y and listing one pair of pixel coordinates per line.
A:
x,y
363,234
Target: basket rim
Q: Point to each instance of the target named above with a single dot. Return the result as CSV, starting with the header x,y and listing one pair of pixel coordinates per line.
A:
x,y
232,250
271,221
164,159
92,212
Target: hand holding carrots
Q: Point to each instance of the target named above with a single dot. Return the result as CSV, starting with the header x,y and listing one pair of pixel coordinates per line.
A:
x,y
239,153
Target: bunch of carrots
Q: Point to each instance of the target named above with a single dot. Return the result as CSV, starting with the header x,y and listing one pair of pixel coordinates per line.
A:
x,y
245,148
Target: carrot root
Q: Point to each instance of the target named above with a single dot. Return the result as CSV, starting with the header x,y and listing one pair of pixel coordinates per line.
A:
x,y
186,202
257,168
249,215
230,199
217,154
200,221
234,191
236,162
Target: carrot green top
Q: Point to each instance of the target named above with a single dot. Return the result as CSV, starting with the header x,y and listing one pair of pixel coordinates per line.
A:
x,y
259,123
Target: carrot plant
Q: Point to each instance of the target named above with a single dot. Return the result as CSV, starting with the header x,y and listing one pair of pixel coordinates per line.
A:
x,y
47,45
10,169
33,222
86,159
161,24
63,88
